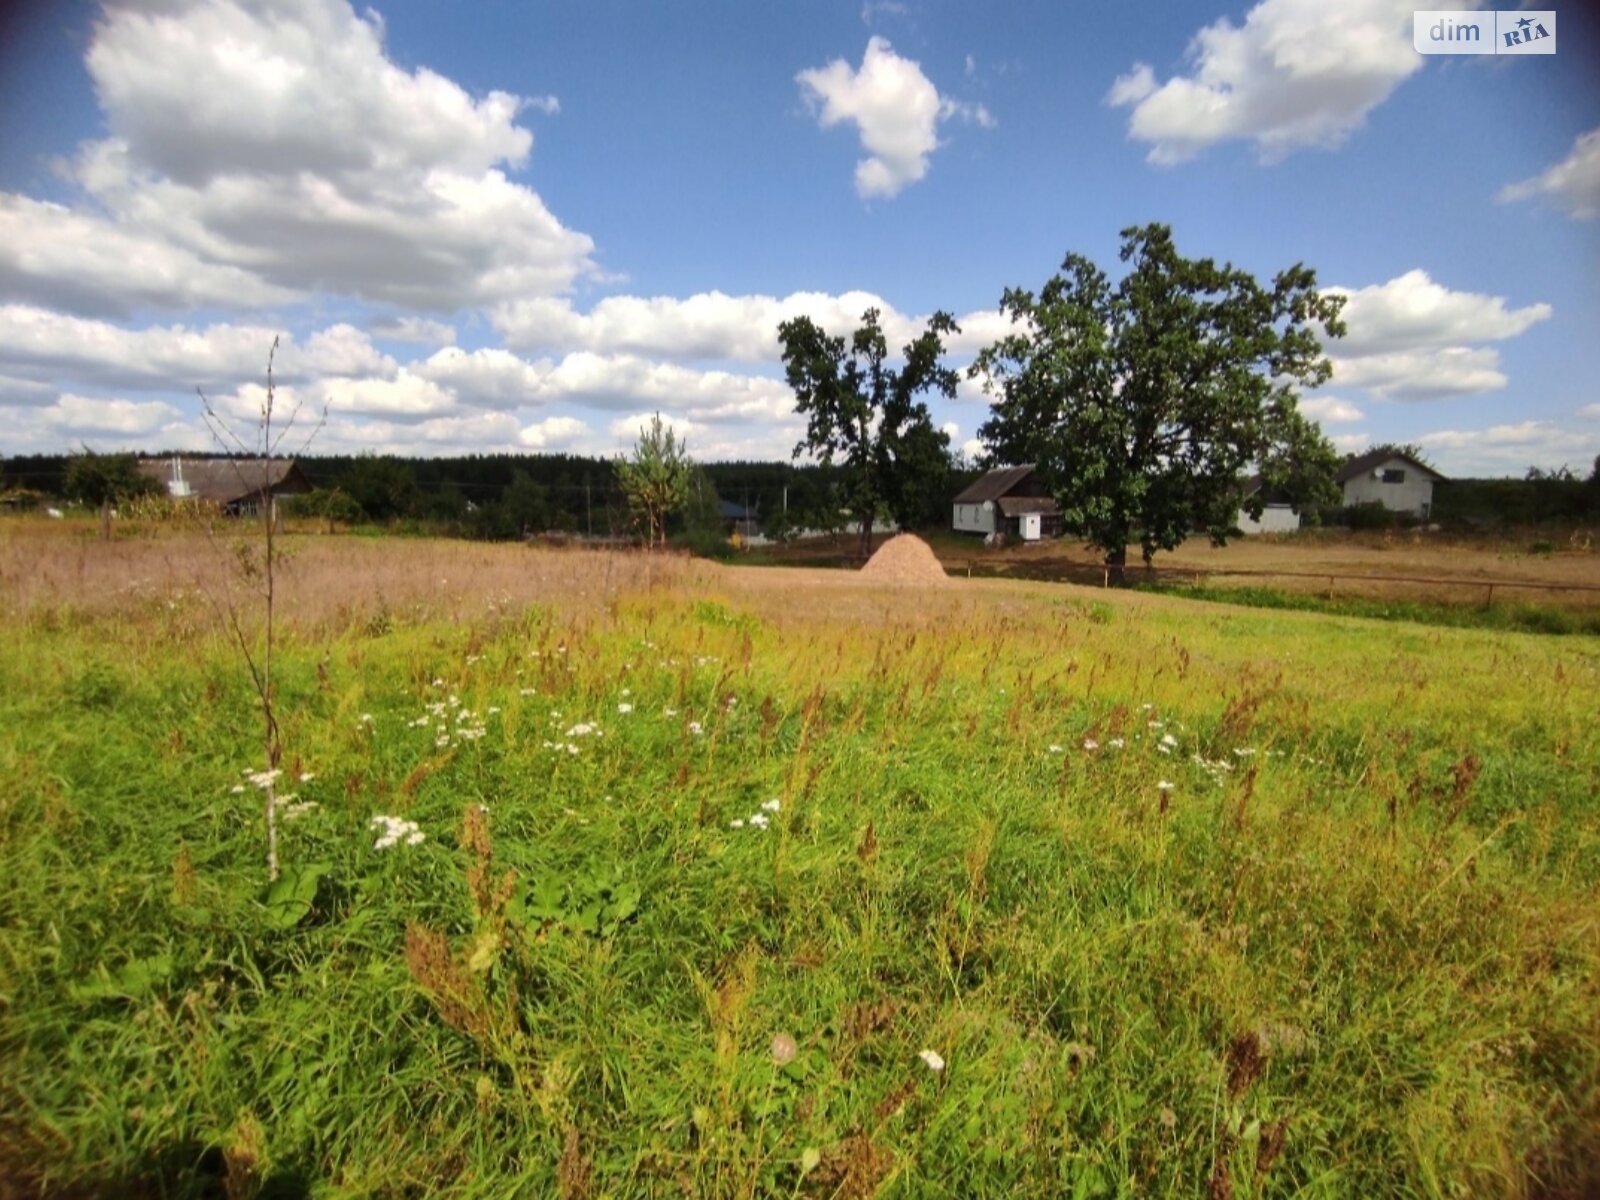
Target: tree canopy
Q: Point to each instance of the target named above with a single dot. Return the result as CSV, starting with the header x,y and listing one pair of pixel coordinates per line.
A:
x,y
867,415
1144,403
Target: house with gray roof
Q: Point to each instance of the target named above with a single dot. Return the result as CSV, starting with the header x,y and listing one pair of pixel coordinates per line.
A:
x,y
238,486
1391,478
1010,501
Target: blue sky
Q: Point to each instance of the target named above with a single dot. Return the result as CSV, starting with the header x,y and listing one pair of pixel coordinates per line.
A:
x,y
523,226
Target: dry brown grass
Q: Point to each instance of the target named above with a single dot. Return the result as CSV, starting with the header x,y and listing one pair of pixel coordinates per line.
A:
x,y
325,581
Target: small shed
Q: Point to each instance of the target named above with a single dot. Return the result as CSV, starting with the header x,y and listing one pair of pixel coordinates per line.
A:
x,y
238,486
1008,500
1391,478
1277,514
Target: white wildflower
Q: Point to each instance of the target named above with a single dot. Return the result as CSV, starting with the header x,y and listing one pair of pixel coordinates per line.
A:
x,y
1055,749
772,805
669,712
1165,786
1116,743
1090,744
306,776
393,831
366,718
932,1059
237,789
1168,740
736,823
624,708
1243,752
585,729
696,728
291,811
759,820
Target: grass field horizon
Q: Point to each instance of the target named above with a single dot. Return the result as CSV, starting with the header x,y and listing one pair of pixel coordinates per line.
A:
x,y
701,880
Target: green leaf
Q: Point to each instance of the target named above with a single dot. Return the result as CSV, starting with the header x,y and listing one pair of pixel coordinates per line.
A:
x,y
289,899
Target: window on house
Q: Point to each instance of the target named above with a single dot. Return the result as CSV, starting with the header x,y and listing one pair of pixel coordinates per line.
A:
x,y
1394,475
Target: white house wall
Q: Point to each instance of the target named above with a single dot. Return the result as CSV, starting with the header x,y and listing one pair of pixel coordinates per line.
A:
x,y
1415,495
1275,518
975,518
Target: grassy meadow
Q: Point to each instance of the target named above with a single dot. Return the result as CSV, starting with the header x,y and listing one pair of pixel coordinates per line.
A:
x,y
710,881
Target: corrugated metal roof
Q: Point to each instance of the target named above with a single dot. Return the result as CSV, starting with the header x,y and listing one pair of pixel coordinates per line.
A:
x,y
222,480
994,485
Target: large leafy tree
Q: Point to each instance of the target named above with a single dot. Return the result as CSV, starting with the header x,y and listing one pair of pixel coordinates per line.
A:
x,y
657,478
866,415
1144,402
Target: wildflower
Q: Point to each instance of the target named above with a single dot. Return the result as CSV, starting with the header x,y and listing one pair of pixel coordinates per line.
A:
x,y
696,728
394,831
1165,749
438,683
932,1059
783,1049
772,805
264,779
442,740
1165,786
624,708
1116,743
291,811
306,776
669,712
237,789
736,823
1243,752
1168,740
494,710
366,718
585,729
759,820
1090,745
1054,749
527,691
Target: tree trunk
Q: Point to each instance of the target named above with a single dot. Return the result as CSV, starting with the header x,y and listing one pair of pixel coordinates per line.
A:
x,y
1117,567
866,537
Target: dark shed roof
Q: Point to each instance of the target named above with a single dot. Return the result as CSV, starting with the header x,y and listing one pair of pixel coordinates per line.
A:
x,y
1016,506
994,485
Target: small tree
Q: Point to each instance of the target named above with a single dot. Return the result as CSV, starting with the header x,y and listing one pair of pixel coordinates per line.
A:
x,y
258,568
656,479
867,414
1143,403
104,480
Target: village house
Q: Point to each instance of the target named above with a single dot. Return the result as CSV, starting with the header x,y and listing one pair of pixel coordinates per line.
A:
x,y
1011,501
238,486
1397,481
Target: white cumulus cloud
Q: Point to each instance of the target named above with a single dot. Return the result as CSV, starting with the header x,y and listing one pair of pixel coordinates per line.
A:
x,y
1572,184
1330,410
895,108
261,152
1413,338
1296,73
714,325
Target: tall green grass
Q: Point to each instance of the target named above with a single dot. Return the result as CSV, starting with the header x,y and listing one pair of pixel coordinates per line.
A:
x,y
1350,951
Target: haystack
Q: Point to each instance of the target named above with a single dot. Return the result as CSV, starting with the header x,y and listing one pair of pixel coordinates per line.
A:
x,y
905,559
